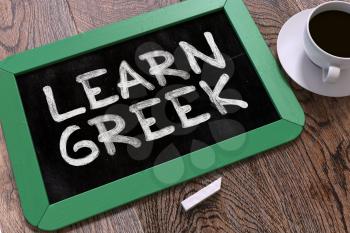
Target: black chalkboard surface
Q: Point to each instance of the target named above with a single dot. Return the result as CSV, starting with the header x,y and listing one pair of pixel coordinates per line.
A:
x,y
63,180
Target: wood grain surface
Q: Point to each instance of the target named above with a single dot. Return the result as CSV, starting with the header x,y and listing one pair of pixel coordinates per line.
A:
x,y
303,186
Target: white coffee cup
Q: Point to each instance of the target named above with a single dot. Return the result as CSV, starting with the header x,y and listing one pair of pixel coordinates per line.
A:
x,y
331,65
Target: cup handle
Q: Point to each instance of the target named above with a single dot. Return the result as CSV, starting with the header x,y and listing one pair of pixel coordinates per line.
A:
x,y
330,74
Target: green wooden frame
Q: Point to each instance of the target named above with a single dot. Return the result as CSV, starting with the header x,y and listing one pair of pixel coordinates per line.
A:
x,y
34,201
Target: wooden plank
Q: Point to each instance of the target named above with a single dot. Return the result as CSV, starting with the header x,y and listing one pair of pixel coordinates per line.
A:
x,y
90,14
123,219
29,24
271,15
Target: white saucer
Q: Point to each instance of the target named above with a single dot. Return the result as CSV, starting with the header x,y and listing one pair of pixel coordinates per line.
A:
x,y
290,49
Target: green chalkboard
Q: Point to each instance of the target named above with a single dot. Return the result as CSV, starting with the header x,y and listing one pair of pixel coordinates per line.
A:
x,y
129,109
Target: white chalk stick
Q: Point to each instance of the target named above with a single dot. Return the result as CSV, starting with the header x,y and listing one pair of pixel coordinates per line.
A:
x,y
201,195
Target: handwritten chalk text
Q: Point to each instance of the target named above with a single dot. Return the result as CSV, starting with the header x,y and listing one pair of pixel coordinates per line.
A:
x,y
128,79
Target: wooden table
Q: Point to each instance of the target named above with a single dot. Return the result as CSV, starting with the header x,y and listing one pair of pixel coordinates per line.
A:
x,y
303,186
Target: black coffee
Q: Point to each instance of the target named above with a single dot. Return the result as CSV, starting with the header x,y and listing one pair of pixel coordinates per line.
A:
x,y
331,32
